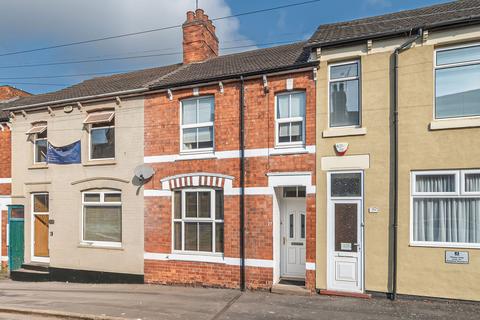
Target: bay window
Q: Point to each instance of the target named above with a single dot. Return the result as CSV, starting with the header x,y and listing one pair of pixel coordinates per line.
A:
x,y
102,217
344,94
446,208
198,220
290,118
197,118
457,82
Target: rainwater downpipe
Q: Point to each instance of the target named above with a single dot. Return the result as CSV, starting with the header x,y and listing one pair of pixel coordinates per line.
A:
x,y
242,184
396,56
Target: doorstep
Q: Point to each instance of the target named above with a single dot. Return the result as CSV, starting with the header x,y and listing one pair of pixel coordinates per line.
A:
x,y
290,289
346,294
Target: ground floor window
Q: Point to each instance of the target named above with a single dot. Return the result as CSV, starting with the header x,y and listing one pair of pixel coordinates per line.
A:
x,y
198,220
102,217
446,207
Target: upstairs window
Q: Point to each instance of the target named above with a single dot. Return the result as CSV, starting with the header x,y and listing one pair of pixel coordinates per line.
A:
x,y
102,135
197,118
457,82
344,96
198,220
40,142
290,118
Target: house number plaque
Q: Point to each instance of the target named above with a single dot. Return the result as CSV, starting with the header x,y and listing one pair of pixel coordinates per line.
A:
x,y
456,257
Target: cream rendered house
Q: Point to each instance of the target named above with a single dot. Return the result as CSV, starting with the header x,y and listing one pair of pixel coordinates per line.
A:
x,y
398,202
83,219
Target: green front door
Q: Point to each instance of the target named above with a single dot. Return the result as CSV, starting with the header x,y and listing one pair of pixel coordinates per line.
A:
x,y
15,237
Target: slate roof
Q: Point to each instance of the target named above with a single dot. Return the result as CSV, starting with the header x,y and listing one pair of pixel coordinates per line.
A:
x,y
250,62
396,23
289,56
96,86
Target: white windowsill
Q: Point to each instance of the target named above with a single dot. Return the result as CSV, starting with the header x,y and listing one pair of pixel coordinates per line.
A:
x,y
98,245
38,166
196,155
106,162
288,149
455,123
343,132
212,258
444,245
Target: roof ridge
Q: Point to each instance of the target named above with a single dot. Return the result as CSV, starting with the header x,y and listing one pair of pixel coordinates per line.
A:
x,y
402,12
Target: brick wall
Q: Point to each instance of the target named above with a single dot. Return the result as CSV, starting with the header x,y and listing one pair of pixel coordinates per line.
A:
x,y
7,93
162,130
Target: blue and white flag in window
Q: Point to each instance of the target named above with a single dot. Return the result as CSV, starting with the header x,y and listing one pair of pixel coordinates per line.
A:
x,y
64,155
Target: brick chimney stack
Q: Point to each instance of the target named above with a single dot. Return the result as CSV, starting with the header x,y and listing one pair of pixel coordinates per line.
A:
x,y
199,40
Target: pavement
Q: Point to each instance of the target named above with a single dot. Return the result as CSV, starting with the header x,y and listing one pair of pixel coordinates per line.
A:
x,y
145,302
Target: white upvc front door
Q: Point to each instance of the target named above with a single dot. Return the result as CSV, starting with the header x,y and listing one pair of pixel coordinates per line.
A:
x,y
345,232
293,227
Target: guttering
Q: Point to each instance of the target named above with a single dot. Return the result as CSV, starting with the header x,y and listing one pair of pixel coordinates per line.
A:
x,y
70,100
396,54
245,76
152,90
242,185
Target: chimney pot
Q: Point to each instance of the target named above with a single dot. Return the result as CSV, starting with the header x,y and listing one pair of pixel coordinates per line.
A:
x,y
199,14
190,16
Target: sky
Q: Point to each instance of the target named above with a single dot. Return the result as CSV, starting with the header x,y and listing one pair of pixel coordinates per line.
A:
x,y
30,24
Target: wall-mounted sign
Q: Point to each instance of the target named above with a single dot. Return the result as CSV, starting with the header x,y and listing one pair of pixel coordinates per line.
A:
x,y
341,148
457,257
373,210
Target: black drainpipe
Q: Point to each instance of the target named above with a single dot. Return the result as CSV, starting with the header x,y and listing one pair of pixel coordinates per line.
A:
x,y
396,55
242,185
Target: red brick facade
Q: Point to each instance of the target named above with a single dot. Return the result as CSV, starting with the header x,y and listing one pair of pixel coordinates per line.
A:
x,y
162,141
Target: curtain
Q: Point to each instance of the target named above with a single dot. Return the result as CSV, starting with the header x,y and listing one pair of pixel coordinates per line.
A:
x,y
446,220
435,183
472,182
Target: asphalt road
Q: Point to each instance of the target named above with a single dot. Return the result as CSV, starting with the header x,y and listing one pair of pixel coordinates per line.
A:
x,y
148,302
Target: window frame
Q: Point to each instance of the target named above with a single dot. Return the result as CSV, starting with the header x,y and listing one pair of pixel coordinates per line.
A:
x,y
197,125
184,219
102,203
459,193
35,139
90,149
359,78
278,121
449,66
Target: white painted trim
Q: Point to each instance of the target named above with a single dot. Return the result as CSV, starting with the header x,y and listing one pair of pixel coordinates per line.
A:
x,y
227,191
357,162
4,258
4,202
261,263
310,266
5,180
282,179
453,123
230,154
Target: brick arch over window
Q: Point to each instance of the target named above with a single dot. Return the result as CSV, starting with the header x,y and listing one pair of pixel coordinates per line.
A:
x,y
200,179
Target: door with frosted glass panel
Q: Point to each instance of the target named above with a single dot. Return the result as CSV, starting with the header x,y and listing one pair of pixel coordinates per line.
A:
x,y
293,238
345,232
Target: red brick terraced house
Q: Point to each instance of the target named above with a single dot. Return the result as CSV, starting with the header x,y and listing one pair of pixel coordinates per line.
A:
x,y
232,143
7,94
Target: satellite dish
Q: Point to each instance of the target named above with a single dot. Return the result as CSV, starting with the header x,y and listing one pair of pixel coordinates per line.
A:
x,y
144,172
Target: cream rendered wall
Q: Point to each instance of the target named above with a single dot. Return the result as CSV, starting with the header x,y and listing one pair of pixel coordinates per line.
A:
x,y
66,182
375,144
421,270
